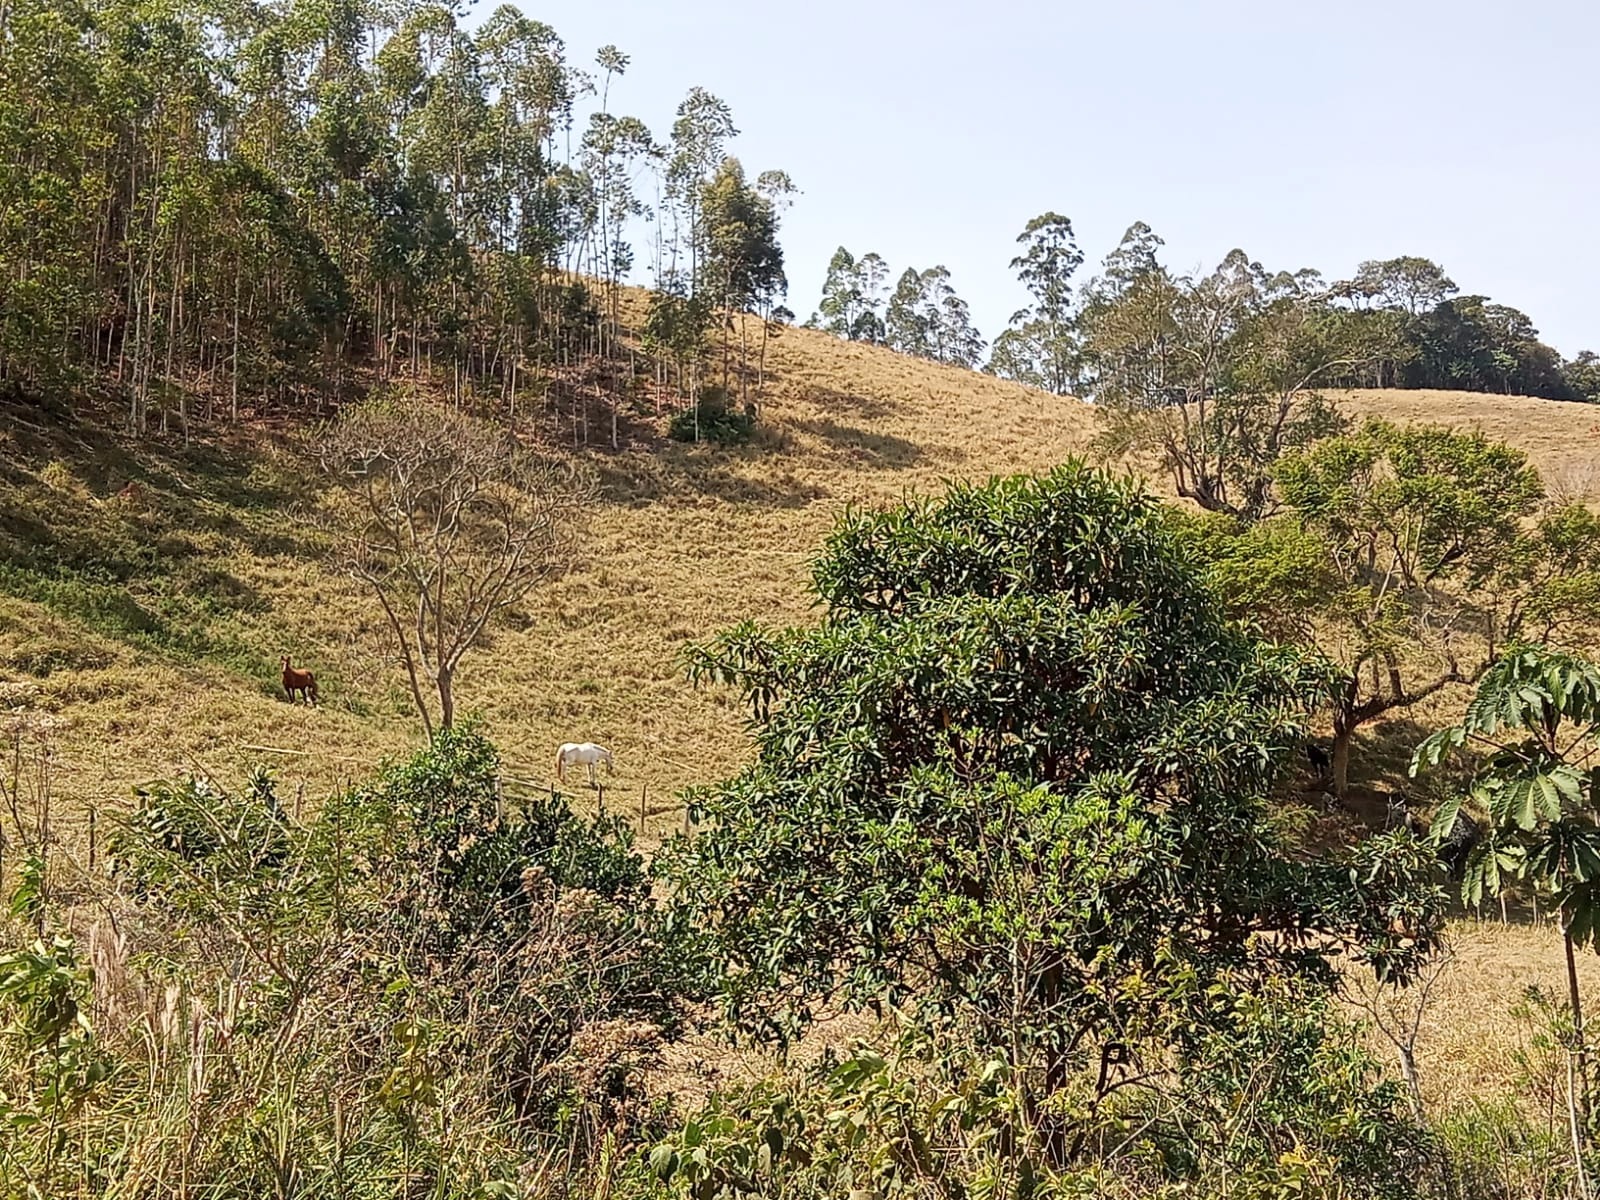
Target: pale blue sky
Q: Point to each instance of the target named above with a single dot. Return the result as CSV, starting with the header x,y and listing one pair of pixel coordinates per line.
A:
x,y
1308,134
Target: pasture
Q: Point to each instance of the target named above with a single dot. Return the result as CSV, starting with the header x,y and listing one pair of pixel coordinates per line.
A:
x,y
145,627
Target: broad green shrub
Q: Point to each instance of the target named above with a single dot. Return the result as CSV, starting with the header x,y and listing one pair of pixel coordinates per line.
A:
x,y
1020,773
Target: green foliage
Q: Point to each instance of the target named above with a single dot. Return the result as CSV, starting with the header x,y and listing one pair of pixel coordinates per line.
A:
x,y
1215,375
1018,773
428,983
304,189
852,297
1436,338
49,1044
1286,1102
1537,712
712,421
1403,551
1040,347
926,318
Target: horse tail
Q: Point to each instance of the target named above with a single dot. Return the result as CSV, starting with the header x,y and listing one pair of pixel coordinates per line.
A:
x,y
560,765
311,682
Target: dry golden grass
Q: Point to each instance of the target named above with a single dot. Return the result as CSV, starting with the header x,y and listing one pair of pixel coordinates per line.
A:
x,y
685,541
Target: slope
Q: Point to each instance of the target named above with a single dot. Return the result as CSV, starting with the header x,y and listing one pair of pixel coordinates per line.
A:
x,y
140,627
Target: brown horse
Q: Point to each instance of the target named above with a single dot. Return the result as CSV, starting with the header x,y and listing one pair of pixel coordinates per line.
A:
x,y
303,682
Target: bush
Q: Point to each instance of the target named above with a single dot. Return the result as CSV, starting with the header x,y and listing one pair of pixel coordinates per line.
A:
x,y
1020,772
427,988
715,422
1283,1102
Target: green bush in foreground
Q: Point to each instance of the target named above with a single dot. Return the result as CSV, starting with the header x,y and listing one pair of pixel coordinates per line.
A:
x,y
423,990
1019,777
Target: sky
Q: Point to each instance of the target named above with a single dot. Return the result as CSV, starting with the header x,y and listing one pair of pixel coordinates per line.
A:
x,y
1307,134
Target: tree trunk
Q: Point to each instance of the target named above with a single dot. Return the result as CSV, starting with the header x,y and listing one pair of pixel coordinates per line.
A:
x,y
1578,1068
1343,735
1580,1049
447,701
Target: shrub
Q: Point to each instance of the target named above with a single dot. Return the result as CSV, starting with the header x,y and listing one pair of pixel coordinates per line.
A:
x,y
1284,1102
714,421
1020,772
426,988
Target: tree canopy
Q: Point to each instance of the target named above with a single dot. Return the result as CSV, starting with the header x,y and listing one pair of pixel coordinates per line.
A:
x,y
1413,556
244,207
1019,772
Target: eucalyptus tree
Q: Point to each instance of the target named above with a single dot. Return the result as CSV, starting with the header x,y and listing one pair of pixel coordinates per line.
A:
x,y
742,259
1018,774
905,322
926,317
700,134
1040,346
841,295
852,297
249,199
952,337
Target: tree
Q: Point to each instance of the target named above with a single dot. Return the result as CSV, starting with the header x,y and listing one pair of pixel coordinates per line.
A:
x,y
905,327
852,294
1413,557
871,275
1413,285
1039,348
1214,376
1583,374
1018,772
1536,718
928,319
450,521
841,295
743,261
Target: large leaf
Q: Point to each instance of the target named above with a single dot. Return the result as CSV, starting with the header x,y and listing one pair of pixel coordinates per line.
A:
x,y
1444,818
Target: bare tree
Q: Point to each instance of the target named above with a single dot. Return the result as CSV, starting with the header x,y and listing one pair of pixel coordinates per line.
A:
x,y
1397,1013
449,520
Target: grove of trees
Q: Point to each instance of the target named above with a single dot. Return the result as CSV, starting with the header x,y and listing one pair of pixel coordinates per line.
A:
x,y
236,207
923,315
1139,333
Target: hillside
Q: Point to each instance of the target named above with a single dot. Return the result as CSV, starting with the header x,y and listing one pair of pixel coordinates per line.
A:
x,y
161,656
155,651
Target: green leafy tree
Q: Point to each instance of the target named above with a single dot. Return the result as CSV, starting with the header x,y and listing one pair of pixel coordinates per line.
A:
x,y
926,317
841,295
1019,774
872,274
743,261
1040,346
1536,720
1413,557
905,323
1583,374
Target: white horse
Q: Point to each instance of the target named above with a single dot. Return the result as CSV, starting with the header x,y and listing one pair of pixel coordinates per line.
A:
x,y
583,754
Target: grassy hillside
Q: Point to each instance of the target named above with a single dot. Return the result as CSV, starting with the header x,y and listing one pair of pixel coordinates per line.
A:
x,y
146,622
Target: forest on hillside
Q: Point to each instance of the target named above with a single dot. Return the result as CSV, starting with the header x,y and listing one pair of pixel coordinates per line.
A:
x,y
238,206
209,210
